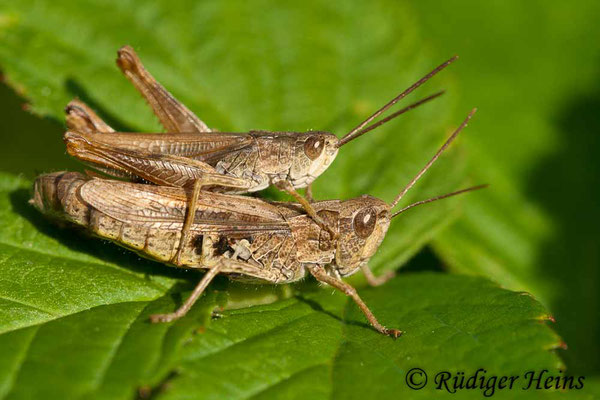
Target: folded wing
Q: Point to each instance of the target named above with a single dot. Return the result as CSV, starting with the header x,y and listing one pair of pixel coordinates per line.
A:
x,y
165,207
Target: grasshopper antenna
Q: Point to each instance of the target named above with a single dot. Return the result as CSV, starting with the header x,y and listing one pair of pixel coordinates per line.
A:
x,y
394,115
356,131
435,157
418,203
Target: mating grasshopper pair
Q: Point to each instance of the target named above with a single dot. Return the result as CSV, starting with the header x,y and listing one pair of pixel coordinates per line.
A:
x,y
186,222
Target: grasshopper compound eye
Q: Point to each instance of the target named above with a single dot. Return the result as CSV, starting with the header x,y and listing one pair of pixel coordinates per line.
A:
x,y
364,222
313,147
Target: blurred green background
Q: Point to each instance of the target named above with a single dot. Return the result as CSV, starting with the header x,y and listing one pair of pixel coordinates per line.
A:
x,y
532,68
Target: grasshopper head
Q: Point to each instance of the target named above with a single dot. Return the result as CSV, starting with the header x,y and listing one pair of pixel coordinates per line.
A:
x,y
364,222
315,151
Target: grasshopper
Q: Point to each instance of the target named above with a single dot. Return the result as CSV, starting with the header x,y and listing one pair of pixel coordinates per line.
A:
x,y
191,155
246,238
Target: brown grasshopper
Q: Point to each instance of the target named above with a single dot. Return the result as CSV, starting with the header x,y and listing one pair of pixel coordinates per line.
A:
x,y
243,237
190,154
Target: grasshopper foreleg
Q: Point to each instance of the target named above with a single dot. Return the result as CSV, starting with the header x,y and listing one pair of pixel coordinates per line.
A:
x,y
185,307
289,189
373,280
321,275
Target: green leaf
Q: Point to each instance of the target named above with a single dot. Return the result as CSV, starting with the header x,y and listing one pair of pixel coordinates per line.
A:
x,y
75,325
297,350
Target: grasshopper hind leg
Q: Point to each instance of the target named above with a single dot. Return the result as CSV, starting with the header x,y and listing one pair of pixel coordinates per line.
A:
x,y
173,115
187,305
80,117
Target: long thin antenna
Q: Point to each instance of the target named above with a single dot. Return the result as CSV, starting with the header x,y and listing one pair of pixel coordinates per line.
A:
x,y
418,203
435,157
349,135
394,115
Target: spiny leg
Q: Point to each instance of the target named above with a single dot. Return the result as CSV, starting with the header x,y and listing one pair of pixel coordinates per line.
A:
x,y
373,280
185,307
173,115
289,189
321,275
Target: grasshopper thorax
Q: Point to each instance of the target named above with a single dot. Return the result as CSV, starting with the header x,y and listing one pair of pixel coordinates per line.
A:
x,y
364,222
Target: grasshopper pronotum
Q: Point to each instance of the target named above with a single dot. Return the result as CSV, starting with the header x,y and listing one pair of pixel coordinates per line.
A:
x,y
190,154
241,236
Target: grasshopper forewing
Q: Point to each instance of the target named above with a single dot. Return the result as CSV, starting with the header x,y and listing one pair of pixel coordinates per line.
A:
x,y
192,155
240,236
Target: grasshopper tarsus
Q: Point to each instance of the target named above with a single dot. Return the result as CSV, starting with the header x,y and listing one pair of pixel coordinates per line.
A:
x,y
394,333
